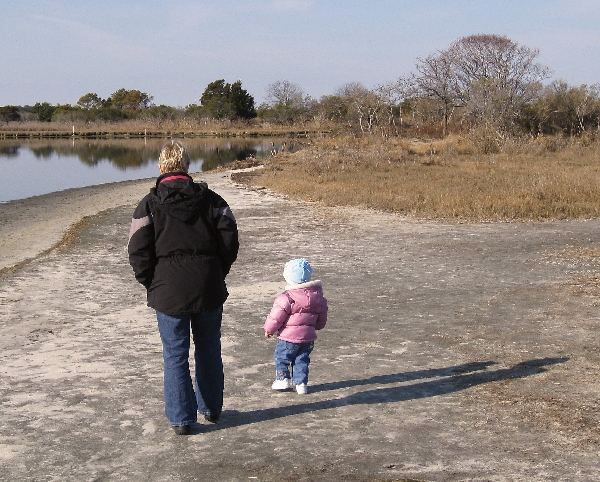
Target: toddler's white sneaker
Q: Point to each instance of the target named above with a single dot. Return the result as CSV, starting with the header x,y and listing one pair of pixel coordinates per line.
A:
x,y
281,384
302,389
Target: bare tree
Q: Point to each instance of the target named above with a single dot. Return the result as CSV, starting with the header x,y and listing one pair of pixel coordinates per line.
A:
x,y
489,75
571,109
363,104
285,93
286,102
496,76
391,98
437,79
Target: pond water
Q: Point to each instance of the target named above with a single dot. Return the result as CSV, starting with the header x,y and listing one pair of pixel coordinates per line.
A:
x,y
40,166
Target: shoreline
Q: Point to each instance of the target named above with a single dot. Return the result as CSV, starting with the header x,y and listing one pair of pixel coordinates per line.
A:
x,y
36,225
33,226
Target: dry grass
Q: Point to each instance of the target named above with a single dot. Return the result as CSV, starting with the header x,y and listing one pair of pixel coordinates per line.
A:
x,y
447,179
150,128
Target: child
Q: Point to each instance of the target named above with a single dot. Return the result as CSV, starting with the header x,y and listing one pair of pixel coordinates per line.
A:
x,y
296,315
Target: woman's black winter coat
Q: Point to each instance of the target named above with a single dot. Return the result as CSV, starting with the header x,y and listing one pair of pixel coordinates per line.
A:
x,y
182,243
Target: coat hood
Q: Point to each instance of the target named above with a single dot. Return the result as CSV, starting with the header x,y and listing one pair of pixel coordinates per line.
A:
x,y
176,194
307,296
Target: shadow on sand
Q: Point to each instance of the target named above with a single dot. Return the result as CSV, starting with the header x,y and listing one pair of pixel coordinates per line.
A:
x,y
447,380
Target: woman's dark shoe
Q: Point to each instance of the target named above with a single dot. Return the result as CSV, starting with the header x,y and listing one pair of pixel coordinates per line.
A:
x,y
211,418
182,430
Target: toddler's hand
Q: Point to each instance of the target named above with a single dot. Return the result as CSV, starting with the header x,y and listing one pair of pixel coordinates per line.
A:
x,y
268,335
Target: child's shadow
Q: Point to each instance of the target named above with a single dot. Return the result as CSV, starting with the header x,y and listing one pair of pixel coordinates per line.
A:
x,y
447,380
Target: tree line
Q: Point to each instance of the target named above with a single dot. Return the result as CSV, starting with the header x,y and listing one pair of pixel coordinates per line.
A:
x,y
481,82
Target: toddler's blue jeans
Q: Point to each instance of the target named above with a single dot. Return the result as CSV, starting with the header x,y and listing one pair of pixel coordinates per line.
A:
x,y
295,356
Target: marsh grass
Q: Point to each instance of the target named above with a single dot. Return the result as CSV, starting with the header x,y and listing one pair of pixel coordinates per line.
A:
x,y
443,179
150,128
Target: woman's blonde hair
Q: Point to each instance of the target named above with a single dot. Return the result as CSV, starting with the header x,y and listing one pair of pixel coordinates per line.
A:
x,y
174,157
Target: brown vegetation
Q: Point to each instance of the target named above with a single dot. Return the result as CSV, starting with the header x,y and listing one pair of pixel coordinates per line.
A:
x,y
456,178
141,128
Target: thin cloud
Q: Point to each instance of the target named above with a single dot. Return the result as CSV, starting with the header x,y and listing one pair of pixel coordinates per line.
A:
x,y
192,15
290,5
98,40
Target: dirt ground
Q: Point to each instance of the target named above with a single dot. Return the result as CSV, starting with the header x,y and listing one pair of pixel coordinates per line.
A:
x,y
453,352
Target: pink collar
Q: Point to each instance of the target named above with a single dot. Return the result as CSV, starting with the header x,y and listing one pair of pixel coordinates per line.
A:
x,y
172,178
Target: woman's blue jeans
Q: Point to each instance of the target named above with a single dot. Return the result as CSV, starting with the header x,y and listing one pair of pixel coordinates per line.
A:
x,y
294,355
181,403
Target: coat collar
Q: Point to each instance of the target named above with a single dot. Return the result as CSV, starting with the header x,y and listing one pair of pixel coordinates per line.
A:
x,y
308,284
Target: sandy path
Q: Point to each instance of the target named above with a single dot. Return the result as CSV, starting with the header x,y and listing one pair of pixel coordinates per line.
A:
x,y
453,352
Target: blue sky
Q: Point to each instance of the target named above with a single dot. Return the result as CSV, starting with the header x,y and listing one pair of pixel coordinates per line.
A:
x,y
57,50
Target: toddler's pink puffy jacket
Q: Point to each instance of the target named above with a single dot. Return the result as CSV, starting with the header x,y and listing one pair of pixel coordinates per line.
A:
x,y
298,312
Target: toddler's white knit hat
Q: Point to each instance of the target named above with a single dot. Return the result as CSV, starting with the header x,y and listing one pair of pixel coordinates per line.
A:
x,y
297,271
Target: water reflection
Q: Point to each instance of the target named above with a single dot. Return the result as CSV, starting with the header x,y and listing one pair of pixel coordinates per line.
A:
x,y
132,153
39,166
9,150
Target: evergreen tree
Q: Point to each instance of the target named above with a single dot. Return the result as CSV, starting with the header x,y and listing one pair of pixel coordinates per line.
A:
x,y
227,101
9,113
44,111
242,101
